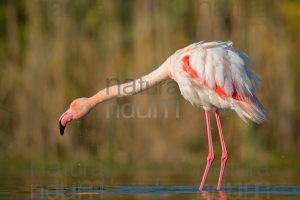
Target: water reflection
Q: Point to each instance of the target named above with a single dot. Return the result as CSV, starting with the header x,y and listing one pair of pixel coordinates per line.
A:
x,y
155,191
208,195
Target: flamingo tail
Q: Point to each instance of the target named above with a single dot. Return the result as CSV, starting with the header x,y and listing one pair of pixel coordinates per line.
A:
x,y
250,110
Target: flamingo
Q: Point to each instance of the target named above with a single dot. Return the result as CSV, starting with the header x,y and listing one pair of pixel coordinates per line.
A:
x,y
210,75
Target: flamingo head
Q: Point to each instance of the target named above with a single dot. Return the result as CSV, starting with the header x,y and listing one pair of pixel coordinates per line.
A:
x,y
78,108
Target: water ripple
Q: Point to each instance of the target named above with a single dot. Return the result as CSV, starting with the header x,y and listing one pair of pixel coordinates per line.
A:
x,y
136,190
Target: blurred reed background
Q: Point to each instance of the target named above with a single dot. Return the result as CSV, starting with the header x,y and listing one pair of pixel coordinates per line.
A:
x,y
52,52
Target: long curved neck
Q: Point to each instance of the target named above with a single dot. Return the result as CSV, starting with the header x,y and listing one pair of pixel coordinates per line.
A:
x,y
133,87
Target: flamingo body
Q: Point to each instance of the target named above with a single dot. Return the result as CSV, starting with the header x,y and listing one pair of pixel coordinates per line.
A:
x,y
210,75
215,76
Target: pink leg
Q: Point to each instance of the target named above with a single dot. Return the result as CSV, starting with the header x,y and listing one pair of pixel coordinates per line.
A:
x,y
210,156
224,150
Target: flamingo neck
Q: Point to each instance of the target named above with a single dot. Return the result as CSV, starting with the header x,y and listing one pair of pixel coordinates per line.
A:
x,y
133,87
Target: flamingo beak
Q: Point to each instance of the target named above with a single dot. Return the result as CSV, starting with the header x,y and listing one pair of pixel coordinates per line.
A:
x,y
61,128
64,119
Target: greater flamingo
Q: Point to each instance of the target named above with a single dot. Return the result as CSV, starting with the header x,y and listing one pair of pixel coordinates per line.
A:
x,y
211,75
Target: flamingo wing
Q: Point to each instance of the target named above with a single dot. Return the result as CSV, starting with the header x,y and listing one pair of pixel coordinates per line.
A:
x,y
224,69
215,75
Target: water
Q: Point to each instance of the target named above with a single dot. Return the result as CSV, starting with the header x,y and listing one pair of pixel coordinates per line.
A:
x,y
192,191
85,184
155,192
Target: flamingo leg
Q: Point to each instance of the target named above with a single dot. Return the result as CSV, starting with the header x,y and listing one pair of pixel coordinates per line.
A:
x,y
224,150
210,156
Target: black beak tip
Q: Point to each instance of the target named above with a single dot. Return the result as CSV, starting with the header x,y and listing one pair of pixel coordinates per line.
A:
x,y
61,128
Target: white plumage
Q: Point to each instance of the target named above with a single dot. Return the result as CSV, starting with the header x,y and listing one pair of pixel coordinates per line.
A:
x,y
224,80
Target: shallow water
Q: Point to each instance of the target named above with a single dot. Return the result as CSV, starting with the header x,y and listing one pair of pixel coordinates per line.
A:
x,y
155,192
147,185
209,191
